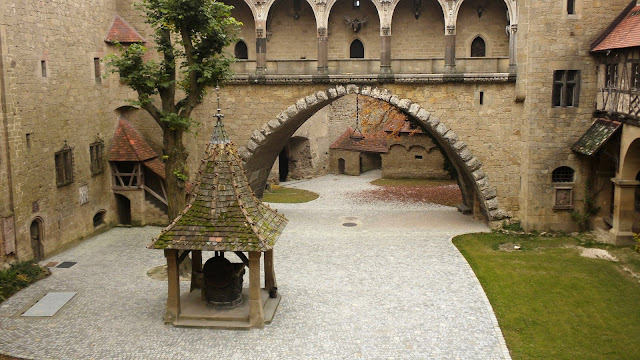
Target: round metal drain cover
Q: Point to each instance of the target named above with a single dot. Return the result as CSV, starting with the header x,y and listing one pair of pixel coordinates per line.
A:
x,y
349,224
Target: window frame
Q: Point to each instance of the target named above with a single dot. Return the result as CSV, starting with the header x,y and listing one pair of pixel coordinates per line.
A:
x,y
96,155
560,96
563,185
351,49
611,76
63,160
634,82
484,47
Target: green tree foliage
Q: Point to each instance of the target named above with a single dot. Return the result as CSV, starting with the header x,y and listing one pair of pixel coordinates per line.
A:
x,y
189,36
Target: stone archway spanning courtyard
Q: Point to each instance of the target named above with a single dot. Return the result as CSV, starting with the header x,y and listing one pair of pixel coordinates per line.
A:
x,y
265,144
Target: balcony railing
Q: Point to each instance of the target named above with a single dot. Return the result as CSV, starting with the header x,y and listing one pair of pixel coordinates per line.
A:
x,y
484,65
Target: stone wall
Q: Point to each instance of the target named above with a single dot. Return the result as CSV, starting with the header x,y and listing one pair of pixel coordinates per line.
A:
x,y
413,156
550,39
341,35
351,162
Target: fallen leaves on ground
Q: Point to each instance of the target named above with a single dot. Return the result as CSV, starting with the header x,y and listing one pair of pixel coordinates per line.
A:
x,y
448,195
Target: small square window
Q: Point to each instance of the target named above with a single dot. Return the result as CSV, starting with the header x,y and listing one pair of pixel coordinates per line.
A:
x,y
418,157
64,166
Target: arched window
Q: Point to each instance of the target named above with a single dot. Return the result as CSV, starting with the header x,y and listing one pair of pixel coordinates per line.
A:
x,y
98,218
240,50
356,50
563,174
478,47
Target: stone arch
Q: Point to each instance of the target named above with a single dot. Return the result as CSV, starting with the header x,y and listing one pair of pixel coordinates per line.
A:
x,y
511,11
265,144
630,164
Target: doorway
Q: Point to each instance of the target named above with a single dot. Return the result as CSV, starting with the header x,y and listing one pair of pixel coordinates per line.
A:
x,y
124,209
283,165
37,233
341,166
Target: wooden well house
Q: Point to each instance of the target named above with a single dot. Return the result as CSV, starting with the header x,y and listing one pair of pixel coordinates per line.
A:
x,y
225,217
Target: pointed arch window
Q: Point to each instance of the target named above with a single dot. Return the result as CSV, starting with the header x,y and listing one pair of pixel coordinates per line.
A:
x,y
356,50
241,51
478,47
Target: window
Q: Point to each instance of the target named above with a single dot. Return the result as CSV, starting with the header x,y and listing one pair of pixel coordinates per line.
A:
x,y
478,47
96,70
611,76
418,157
563,174
240,50
356,50
563,177
64,166
571,7
566,90
96,149
635,76
98,218
636,202
356,4
43,68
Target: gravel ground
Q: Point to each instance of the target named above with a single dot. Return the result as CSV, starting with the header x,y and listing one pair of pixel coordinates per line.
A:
x,y
392,286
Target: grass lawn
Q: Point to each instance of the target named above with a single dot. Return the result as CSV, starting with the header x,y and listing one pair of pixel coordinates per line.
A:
x,y
443,192
279,194
552,303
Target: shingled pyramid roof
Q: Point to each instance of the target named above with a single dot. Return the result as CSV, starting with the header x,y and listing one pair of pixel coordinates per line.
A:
x,y
223,214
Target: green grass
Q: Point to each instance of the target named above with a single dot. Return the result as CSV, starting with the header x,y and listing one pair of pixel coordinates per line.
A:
x,y
19,276
412,182
552,303
279,194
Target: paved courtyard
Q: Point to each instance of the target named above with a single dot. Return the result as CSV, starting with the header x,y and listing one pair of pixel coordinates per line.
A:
x,y
391,287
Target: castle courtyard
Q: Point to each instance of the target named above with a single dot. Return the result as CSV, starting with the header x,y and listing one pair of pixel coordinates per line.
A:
x,y
389,284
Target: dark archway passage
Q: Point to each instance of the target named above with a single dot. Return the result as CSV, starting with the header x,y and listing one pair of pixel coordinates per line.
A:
x,y
283,165
263,148
124,209
37,233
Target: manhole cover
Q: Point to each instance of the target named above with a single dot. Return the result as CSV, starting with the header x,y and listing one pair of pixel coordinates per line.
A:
x,y
349,224
66,264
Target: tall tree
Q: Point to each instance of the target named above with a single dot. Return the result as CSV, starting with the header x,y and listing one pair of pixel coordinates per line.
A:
x,y
190,36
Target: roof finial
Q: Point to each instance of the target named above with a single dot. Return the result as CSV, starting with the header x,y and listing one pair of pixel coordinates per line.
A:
x,y
219,135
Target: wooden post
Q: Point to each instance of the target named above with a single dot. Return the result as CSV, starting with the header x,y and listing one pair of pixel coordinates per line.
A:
x,y
173,296
256,311
196,269
269,272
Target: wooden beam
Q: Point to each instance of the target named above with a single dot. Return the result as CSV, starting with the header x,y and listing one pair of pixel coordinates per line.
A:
x,y
196,269
242,257
256,311
184,254
269,273
173,289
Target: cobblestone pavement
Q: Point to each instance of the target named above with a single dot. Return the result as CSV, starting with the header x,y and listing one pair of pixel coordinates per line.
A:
x,y
391,287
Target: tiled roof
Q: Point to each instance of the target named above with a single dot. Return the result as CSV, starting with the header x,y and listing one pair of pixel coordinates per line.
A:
x,y
223,214
156,166
352,140
122,32
401,126
129,145
623,35
596,136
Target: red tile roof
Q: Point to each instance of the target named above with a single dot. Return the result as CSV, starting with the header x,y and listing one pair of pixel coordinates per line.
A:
x,y
623,35
156,166
122,32
129,145
376,142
